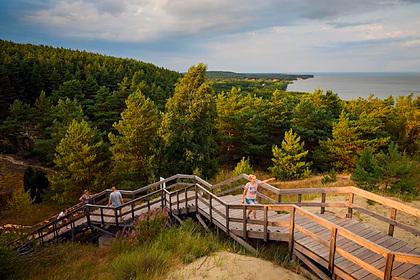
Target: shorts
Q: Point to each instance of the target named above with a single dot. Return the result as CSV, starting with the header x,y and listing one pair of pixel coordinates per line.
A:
x,y
250,201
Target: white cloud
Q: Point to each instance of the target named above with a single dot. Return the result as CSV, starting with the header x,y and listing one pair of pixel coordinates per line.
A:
x,y
151,20
245,35
411,43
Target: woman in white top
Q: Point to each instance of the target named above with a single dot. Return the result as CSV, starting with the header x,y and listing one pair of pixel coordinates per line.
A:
x,y
249,195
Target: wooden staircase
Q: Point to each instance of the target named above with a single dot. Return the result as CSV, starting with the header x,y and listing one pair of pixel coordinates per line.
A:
x,y
333,247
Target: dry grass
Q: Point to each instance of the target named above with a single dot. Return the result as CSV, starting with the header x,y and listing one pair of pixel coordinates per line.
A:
x,y
343,180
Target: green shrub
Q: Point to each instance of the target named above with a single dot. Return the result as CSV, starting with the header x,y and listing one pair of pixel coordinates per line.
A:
x,y
11,264
289,159
140,264
187,242
390,172
331,177
150,225
368,172
244,166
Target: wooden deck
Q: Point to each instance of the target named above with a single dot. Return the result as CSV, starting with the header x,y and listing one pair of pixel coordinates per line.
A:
x,y
318,250
333,247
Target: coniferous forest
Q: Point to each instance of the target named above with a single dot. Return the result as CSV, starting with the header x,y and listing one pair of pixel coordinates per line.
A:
x,y
100,120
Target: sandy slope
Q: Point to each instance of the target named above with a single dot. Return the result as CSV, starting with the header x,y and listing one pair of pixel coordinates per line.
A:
x,y
225,265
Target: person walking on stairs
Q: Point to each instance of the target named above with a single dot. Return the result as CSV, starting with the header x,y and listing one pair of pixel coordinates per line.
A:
x,y
115,198
249,195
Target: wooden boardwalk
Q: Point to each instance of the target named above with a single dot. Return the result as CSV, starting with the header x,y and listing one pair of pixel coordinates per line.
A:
x,y
332,247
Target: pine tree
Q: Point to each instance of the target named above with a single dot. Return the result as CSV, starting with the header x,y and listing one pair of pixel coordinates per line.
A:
x,y
244,166
368,172
241,125
134,148
344,145
44,109
350,138
63,114
80,159
106,109
188,125
19,127
289,159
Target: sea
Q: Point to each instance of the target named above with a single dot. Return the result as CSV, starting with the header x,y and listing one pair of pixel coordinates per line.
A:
x,y
353,85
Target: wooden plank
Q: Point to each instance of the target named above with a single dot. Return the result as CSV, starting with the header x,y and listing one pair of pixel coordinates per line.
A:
x,y
292,230
388,220
265,223
318,272
407,258
333,240
243,243
363,242
324,204
244,220
323,197
335,190
311,234
392,216
388,267
200,220
359,262
387,202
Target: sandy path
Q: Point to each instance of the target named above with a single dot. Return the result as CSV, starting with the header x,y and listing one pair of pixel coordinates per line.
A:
x,y
225,265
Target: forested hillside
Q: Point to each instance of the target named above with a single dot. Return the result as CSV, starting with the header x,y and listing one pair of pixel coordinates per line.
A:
x,y
101,120
26,70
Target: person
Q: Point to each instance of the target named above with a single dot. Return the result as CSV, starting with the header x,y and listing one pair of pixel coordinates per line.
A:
x,y
115,198
86,197
249,195
62,215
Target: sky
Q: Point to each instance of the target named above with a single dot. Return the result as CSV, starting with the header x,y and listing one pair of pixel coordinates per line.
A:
x,y
233,35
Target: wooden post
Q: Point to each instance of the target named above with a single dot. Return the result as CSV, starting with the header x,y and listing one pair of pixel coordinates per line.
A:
x,y
116,216
177,201
265,223
388,267
186,201
170,203
244,222
350,208
41,236
393,216
87,211
227,218
148,205
72,231
102,216
323,197
55,232
333,240
210,208
292,230
279,198
132,210
162,193
196,199
299,199
162,201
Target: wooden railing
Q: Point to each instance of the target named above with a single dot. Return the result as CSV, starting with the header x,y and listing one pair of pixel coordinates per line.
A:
x,y
336,231
189,192
272,194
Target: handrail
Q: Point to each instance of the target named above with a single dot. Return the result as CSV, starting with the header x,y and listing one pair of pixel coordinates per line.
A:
x,y
204,188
